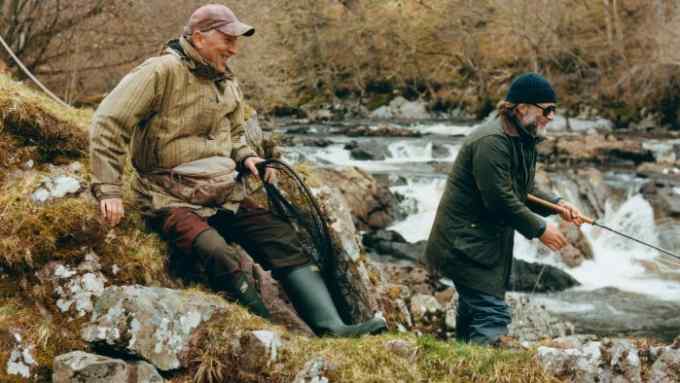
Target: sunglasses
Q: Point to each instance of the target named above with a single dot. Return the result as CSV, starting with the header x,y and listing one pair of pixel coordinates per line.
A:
x,y
547,110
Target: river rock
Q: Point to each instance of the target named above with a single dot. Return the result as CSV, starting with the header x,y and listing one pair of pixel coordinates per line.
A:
x,y
670,201
57,187
611,360
346,272
401,108
578,248
598,149
393,302
381,130
665,367
253,133
21,362
315,371
537,277
82,367
532,322
425,306
153,323
591,185
576,365
258,350
367,150
373,206
388,242
565,124
75,289
439,151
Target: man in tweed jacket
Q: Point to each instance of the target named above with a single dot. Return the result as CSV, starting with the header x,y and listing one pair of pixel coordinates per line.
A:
x,y
183,107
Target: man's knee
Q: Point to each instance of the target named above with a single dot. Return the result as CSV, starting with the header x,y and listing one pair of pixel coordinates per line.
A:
x,y
215,253
181,226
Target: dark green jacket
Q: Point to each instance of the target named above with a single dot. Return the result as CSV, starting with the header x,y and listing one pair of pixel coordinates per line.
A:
x,y
483,204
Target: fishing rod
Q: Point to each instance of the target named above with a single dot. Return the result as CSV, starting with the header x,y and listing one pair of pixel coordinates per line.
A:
x,y
564,210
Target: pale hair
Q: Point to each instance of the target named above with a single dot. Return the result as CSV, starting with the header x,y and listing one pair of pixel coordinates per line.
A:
x,y
504,107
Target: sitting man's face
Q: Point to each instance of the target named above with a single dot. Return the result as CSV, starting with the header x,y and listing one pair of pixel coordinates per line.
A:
x,y
215,47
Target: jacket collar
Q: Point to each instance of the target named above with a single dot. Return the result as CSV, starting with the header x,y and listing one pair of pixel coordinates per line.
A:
x,y
194,61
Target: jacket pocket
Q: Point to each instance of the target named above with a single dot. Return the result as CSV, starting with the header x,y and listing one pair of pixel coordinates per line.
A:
x,y
480,245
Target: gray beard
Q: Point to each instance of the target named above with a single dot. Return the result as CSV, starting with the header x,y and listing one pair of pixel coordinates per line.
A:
x,y
532,128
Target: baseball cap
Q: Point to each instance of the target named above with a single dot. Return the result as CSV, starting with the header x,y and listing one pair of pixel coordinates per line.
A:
x,y
217,16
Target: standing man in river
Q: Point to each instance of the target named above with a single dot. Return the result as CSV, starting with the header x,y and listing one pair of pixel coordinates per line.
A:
x,y
181,116
485,201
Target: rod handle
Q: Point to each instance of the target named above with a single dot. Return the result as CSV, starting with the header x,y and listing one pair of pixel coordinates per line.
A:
x,y
555,207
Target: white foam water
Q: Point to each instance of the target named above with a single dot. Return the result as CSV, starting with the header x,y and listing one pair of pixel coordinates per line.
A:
x,y
426,193
618,262
443,129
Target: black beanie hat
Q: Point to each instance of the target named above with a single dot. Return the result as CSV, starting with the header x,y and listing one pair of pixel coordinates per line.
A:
x,y
530,88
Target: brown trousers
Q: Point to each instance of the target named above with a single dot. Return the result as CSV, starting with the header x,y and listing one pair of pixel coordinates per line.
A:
x,y
268,239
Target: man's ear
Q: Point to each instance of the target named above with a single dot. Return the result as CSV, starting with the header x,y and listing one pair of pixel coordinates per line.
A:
x,y
521,109
197,39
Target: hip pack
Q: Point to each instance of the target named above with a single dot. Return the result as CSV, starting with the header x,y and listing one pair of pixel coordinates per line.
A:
x,y
207,182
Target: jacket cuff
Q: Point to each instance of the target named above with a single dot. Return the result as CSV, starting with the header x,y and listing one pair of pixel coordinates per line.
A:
x,y
106,191
243,153
541,229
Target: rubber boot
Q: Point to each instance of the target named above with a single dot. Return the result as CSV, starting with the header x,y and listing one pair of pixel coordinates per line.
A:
x,y
309,294
225,274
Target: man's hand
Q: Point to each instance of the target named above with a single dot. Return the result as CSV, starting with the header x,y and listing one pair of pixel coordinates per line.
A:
x,y
572,215
112,210
553,238
269,173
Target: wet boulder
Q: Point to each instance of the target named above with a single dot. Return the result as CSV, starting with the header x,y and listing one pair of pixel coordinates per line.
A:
x,y
391,243
368,150
578,247
537,277
372,205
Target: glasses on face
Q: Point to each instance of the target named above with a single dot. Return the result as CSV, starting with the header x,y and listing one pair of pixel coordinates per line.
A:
x,y
547,110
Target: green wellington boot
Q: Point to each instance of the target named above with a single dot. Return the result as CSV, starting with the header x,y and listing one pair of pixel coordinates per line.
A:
x,y
309,294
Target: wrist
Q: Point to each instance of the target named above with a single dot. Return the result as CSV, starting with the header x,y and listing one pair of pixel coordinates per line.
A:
x,y
242,164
